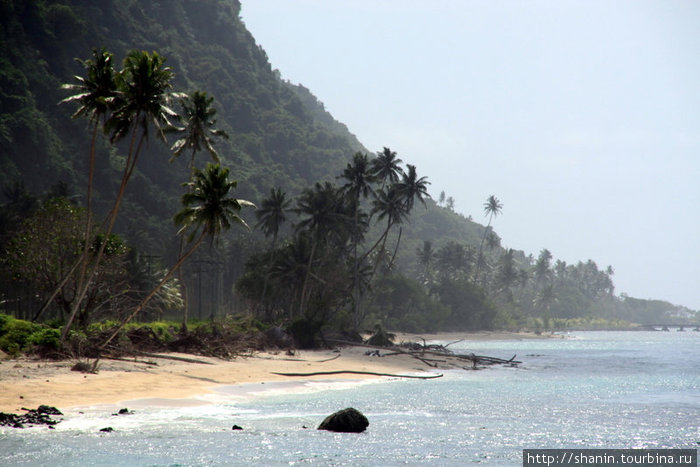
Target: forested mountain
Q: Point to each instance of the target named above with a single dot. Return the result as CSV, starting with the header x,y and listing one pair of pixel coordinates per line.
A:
x,y
440,269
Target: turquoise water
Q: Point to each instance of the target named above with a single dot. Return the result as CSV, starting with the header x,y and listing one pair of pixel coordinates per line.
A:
x,y
589,390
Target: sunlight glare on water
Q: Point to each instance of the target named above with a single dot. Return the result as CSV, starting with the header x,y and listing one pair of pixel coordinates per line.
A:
x,y
589,390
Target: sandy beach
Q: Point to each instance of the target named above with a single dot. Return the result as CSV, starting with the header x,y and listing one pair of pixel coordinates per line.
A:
x,y
30,383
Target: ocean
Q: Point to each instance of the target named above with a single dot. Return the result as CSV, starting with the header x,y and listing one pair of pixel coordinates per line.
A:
x,y
587,390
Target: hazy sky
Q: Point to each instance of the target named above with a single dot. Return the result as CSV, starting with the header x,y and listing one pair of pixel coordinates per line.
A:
x,y
582,117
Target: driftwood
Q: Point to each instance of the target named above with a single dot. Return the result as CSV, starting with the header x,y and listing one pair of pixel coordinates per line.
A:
x,y
173,357
371,373
130,360
424,351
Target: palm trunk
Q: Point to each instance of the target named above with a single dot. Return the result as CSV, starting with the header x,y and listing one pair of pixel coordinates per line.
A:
x,y
267,276
481,250
112,218
160,285
306,280
183,286
84,263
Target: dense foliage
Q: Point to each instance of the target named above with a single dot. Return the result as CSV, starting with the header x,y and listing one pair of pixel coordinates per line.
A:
x,y
342,237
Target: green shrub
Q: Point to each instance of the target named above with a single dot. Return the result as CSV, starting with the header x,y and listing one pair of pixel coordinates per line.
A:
x,y
47,337
3,321
15,335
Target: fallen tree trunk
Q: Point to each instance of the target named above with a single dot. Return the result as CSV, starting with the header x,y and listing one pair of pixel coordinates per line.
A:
x,y
371,373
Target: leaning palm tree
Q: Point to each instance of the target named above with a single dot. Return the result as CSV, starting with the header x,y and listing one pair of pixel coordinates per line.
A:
x,y
197,132
208,211
492,208
271,216
358,185
141,101
325,215
94,93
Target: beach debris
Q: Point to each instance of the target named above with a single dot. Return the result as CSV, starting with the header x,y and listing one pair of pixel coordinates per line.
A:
x,y
381,338
353,372
427,354
236,427
38,416
348,420
85,366
108,429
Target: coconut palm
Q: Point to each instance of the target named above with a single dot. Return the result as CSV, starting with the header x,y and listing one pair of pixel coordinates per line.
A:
x,y
197,132
492,208
141,101
198,118
389,204
208,211
326,216
271,216
411,187
358,185
94,93
386,168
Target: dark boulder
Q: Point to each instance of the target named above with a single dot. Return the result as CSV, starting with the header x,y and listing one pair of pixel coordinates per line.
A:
x,y
236,427
48,410
345,421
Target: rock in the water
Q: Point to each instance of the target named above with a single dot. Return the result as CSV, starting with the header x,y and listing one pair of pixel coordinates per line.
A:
x,y
48,410
345,421
236,427
108,429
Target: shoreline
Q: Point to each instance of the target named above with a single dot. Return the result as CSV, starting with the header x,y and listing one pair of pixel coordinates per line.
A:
x,y
29,383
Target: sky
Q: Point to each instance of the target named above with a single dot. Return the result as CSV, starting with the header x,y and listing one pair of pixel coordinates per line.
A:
x,y
582,117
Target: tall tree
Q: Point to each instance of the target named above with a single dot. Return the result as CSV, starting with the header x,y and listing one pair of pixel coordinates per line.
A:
x,y
358,185
94,93
141,101
325,215
412,188
386,167
271,215
198,119
492,208
208,211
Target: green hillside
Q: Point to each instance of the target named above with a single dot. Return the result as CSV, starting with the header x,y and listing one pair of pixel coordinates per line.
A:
x,y
438,269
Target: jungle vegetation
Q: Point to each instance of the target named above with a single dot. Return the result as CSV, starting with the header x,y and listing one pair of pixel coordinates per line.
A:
x,y
132,132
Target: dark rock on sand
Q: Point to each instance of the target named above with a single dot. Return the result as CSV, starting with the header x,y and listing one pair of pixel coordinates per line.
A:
x,y
39,416
345,421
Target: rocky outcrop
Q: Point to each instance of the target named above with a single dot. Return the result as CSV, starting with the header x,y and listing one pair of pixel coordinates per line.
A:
x,y
345,421
38,416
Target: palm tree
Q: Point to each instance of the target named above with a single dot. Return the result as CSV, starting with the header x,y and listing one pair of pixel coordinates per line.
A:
x,y
140,102
94,93
385,167
271,216
208,211
198,117
543,270
492,208
389,204
425,259
411,187
358,185
326,217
